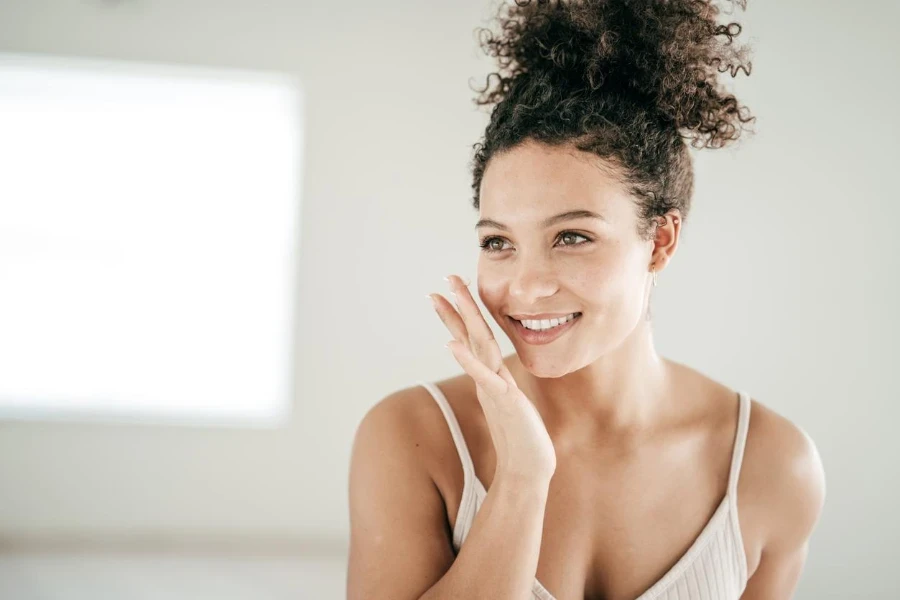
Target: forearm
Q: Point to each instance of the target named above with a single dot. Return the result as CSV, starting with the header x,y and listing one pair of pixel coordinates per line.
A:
x,y
500,555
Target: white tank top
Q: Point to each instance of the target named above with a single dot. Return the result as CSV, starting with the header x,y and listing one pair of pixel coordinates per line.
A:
x,y
713,568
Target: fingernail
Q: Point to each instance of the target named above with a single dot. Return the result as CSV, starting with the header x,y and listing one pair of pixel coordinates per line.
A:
x,y
465,282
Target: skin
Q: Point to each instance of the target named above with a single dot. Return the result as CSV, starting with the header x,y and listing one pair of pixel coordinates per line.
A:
x,y
643,474
643,444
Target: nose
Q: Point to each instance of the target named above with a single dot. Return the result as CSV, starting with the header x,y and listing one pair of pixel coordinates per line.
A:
x,y
531,282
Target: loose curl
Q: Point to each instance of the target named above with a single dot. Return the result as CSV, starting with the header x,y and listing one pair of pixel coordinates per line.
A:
x,y
631,81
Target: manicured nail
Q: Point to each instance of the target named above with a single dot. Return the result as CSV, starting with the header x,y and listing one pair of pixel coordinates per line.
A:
x,y
465,283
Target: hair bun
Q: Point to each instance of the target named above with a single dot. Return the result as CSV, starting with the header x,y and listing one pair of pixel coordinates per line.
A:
x,y
661,57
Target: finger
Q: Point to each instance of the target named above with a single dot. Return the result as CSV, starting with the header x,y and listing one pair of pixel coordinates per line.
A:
x,y
457,327
507,376
491,382
483,344
450,318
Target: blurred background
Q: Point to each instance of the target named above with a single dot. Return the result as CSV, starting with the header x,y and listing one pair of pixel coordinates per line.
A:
x,y
218,221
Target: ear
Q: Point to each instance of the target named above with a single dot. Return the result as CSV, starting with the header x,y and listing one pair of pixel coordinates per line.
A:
x,y
665,242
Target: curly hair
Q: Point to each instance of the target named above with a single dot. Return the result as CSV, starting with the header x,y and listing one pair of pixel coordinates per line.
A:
x,y
627,80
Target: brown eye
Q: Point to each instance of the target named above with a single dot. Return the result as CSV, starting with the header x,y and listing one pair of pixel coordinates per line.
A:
x,y
487,244
571,234
493,244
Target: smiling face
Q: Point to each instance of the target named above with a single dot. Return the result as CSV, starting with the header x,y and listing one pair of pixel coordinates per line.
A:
x,y
598,267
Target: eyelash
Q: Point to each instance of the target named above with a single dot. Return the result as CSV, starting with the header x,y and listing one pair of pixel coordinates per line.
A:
x,y
485,243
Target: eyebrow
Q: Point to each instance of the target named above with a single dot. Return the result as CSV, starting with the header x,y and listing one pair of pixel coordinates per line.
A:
x,y
566,216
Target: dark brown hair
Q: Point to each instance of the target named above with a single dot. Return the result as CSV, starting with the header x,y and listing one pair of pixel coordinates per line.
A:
x,y
631,81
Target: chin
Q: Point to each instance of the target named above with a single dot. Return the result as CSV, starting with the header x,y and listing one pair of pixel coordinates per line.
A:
x,y
545,367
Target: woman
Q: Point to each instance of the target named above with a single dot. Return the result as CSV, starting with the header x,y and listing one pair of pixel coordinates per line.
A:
x,y
591,467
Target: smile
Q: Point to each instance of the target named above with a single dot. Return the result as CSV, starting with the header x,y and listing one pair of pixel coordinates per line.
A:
x,y
544,332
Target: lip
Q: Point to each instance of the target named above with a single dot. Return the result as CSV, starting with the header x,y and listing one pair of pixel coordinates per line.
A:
x,y
539,338
542,316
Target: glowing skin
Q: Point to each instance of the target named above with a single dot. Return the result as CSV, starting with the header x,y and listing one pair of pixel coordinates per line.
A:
x,y
597,266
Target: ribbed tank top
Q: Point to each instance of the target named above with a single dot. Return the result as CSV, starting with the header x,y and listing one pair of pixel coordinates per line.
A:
x,y
713,568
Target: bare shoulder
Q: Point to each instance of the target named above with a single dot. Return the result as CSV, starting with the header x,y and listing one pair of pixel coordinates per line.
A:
x,y
411,421
782,483
400,544
397,407
407,418
782,479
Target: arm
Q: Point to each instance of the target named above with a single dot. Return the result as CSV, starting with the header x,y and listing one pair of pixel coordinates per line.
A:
x,y
796,494
400,544
500,556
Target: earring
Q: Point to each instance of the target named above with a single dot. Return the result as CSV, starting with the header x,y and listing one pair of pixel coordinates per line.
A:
x,y
654,277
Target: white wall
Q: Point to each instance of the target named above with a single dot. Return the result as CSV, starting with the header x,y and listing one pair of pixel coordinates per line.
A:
x,y
784,284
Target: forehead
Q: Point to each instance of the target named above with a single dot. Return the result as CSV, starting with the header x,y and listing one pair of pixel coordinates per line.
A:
x,y
533,180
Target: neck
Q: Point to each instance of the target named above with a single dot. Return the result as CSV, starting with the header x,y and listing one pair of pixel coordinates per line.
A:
x,y
622,393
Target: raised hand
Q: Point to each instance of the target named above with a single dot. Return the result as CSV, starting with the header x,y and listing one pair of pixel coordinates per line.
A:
x,y
523,446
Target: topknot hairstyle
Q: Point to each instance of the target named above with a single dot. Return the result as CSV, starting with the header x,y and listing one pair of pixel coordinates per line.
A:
x,y
633,81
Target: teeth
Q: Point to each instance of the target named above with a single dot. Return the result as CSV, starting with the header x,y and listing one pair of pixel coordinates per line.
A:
x,y
543,324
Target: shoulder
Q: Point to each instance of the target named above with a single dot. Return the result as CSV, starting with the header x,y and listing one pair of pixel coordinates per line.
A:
x,y
400,542
406,422
396,418
782,481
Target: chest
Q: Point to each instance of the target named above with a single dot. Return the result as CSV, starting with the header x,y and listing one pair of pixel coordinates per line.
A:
x,y
616,539
615,524
624,517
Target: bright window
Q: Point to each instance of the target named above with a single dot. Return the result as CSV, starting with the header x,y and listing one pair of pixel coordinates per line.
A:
x,y
148,226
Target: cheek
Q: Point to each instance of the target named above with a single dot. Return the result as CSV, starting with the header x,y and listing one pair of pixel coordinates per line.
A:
x,y
493,278
490,291
602,282
606,283
613,290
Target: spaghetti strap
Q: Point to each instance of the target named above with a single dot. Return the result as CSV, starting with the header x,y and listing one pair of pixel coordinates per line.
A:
x,y
740,441
455,430
714,567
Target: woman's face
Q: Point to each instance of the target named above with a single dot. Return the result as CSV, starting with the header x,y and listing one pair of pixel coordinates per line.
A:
x,y
598,267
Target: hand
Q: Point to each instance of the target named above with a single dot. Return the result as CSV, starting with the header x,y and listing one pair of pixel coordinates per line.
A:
x,y
523,446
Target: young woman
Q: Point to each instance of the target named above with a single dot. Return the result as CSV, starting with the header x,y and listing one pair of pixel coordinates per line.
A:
x,y
584,465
